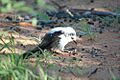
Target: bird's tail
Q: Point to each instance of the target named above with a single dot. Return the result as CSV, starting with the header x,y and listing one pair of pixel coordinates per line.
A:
x,y
31,52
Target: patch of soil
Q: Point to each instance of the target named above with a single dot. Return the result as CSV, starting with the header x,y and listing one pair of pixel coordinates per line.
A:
x,y
97,60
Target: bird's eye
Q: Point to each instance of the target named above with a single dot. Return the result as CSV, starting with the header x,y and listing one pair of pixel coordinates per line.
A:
x,y
72,34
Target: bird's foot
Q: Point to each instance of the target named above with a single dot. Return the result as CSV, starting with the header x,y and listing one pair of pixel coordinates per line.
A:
x,y
65,53
71,50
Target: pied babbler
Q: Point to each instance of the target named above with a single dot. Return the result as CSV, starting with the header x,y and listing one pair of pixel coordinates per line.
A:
x,y
56,38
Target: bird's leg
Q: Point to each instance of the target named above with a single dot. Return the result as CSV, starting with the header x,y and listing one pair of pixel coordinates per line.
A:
x,y
71,50
60,53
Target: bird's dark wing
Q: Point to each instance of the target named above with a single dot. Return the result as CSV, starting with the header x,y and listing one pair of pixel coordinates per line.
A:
x,y
48,41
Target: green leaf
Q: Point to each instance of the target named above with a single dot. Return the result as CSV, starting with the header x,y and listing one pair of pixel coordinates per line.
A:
x,y
34,21
14,76
43,16
27,9
5,33
50,8
41,3
6,45
5,1
4,10
112,75
18,5
26,75
117,10
4,72
9,7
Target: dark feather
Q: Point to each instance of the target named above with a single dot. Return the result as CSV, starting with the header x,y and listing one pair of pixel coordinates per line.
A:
x,y
50,40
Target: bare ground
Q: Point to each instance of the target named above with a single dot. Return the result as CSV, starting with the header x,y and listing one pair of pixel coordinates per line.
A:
x,y
94,60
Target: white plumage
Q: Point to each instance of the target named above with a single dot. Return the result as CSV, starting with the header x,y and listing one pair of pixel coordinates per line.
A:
x,y
56,38
68,35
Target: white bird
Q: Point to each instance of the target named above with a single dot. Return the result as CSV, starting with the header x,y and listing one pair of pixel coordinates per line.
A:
x,y
56,38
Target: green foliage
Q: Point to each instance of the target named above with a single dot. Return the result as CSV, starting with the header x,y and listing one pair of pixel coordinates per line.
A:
x,y
112,75
42,3
15,6
11,5
14,67
9,45
34,21
117,10
108,21
20,6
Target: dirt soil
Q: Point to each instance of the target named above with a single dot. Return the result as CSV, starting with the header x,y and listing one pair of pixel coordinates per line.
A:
x,y
94,60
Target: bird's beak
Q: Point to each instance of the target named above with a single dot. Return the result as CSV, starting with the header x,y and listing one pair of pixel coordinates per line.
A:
x,y
74,40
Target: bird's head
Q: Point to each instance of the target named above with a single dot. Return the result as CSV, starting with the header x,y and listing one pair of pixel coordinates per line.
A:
x,y
66,35
70,34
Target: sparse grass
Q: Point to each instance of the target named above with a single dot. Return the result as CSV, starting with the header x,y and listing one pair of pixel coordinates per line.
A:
x,y
113,77
14,67
85,27
20,7
14,6
108,21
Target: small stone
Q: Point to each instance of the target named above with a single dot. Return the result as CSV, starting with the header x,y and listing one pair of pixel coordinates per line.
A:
x,y
92,1
26,18
24,46
82,56
11,28
21,44
100,31
105,46
83,49
80,36
70,20
39,27
65,20
9,18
